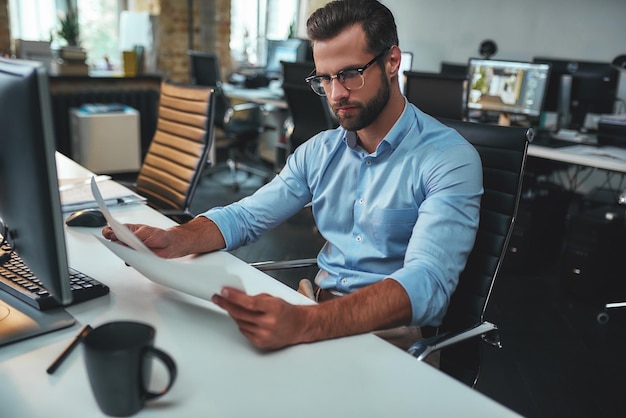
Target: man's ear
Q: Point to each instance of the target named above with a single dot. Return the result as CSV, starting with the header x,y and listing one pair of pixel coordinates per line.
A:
x,y
393,59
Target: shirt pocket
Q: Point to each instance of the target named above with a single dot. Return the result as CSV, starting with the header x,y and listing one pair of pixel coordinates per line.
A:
x,y
390,230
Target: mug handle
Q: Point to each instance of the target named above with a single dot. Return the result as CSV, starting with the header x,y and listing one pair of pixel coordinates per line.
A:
x,y
171,367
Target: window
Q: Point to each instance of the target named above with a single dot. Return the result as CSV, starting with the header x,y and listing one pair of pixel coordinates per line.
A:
x,y
38,20
249,32
99,31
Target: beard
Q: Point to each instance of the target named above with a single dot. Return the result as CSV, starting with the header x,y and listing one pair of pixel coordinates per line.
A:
x,y
369,111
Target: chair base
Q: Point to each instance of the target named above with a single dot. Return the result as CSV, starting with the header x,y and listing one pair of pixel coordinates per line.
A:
x,y
236,168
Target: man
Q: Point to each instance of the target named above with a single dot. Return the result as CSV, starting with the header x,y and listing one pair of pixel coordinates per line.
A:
x,y
395,193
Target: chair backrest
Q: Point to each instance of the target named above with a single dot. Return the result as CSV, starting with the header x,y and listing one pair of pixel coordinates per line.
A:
x,y
437,94
173,164
503,154
453,68
309,112
296,72
204,69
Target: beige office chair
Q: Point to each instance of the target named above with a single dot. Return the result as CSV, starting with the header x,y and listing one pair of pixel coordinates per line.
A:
x,y
178,152
503,154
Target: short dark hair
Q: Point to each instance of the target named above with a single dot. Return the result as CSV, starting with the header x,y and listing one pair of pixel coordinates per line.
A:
x,y
375,18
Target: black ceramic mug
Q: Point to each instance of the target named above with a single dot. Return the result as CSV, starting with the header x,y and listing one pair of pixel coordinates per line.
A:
x,y
118,357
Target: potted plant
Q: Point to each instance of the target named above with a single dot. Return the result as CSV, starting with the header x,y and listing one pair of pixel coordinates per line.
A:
x,y
69,29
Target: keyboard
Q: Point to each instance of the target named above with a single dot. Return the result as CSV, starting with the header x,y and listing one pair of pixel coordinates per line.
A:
x,y
18,280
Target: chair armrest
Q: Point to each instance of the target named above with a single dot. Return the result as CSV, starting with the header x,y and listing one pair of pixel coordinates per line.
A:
x,y
241,107
427,346
288,264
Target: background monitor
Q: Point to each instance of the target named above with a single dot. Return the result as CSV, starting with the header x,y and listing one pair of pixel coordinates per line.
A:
x,y
510,87
439,95
592,88
30,206
288,50
406,62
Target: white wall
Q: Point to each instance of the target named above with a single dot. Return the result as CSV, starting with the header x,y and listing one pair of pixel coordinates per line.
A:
x,y
452,30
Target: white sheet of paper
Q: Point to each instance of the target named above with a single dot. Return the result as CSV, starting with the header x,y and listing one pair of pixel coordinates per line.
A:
x,y
122,232
202,280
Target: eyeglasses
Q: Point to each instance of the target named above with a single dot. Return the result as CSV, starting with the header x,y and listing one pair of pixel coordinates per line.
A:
x,y
351,78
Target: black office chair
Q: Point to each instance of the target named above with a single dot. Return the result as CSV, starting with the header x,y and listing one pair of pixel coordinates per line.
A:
x,y
238,126
439,95
179,149
309,113
503,154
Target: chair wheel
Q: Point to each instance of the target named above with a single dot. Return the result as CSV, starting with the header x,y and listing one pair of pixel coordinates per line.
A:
x,y
602,318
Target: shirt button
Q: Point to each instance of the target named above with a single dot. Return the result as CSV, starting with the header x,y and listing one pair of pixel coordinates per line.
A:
x,y
368,162
358,238
361,201
344,281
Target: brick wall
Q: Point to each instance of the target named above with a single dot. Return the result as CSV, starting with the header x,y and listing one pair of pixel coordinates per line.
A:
x,y
211,33
5,34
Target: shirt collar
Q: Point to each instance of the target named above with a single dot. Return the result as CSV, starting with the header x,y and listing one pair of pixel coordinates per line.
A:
x,y
395,135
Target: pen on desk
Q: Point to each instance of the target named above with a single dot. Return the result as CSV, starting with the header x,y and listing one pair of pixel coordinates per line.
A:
x,y
66,352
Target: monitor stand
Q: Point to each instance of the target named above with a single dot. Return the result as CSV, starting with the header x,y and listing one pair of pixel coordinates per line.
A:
x,y
19,321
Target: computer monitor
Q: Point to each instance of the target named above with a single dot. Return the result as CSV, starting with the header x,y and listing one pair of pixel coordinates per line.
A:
x,y
439,95
30,207
288,50
406,62
587,86
506,87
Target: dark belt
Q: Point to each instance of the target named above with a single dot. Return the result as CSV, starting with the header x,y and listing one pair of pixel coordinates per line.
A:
x,y
323,295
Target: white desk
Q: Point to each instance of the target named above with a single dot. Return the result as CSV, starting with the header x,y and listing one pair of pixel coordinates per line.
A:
x,y
585,155
219,373
262,95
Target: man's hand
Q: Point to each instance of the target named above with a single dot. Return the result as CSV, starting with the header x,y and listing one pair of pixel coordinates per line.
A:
x,y
271,323
200,235
267,321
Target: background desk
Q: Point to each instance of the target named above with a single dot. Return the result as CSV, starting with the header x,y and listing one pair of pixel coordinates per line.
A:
x,y
585,155
220,373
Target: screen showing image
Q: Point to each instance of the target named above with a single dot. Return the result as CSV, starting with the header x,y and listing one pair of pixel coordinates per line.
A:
x,y
507,86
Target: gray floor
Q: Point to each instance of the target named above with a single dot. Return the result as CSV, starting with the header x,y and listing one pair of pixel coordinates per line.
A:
x,y
557,361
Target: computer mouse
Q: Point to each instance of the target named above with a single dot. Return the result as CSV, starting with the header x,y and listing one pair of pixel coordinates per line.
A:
x,y
86,217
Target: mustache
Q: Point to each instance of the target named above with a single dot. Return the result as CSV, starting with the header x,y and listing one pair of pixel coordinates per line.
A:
x,y
344,103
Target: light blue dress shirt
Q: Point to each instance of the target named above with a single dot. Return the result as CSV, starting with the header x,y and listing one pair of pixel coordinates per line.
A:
x,y
408,211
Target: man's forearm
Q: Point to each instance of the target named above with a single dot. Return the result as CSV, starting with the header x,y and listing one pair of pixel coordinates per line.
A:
x,y
200,235
379,306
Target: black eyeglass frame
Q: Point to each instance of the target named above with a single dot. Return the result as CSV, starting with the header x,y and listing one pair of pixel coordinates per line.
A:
x,y
340,75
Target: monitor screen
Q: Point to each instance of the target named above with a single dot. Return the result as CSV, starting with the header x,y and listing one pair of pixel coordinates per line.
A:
x,y
593,87
288,50
30,207
406,62
506,86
